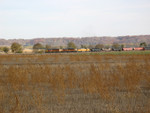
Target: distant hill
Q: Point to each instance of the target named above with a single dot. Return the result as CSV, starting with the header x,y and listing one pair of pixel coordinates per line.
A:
x,y
78,41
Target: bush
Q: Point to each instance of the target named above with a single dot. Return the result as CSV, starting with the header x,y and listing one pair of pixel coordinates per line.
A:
x,y
5,49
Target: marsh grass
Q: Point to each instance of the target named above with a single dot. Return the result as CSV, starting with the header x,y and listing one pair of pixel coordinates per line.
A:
x,y
46,83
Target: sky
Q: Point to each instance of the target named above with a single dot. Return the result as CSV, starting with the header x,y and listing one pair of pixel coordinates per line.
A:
x,y
25,19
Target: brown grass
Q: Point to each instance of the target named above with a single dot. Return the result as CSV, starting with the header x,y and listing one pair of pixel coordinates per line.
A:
x,y
60,83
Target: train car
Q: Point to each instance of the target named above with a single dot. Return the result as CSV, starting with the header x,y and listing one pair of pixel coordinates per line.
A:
x,y
127,49
116,49
96,50
46,51
138,48
108,49
69,50
52,50
88,50
83,50
146,48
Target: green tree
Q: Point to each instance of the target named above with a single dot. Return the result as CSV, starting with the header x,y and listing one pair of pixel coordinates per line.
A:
x,y
99,46
38,46
83,46
61,47
107,47
16,48
5,49
143,44
115,46
1,49
71,45
122,46
91,46
48,47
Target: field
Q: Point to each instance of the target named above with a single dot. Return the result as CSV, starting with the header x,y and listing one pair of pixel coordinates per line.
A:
x,y
113,82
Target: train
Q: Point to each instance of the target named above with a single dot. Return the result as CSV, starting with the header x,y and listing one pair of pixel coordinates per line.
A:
x,y
67,50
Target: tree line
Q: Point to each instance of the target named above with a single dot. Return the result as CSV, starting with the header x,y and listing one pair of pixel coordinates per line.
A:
x,y
39,48
15,48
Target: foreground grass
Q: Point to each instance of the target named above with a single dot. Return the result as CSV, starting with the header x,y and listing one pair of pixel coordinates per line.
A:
x,y
119,53
75,83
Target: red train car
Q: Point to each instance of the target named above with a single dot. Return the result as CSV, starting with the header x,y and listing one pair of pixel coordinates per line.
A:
x,y
52,50
69,50
139,48
127,49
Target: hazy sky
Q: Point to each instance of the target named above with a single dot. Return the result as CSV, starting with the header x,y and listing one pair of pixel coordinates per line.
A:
x,y
77,18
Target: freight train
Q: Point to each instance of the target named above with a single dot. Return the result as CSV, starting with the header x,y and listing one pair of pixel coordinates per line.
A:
x,y
66,50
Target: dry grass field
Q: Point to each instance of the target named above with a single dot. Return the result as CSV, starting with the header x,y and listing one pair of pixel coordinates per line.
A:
x,y
70,83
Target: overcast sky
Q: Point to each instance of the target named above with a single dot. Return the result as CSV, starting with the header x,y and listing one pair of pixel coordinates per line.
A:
x,y
75,18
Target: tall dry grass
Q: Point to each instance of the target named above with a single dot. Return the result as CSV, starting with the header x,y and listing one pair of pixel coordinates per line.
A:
x,y
34,83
